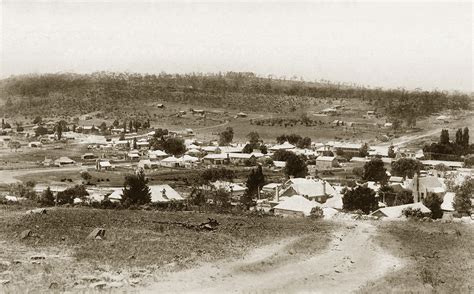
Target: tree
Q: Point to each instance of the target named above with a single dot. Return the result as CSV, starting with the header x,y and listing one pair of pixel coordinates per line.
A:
x,y
465,137
247,149
462,200
86,176
197,197
391,152
433,202
304,142
364,150
221,199
255,182
226,137
47,198
214,174
406,167
67,196
254,139
134,143
282,155
444,138
59,131
339,152
295,166
37,120
263,149
135,190
14,145
359,198
174,146
103,127
116,123
459,137
40,131
130,126
392,198
374,170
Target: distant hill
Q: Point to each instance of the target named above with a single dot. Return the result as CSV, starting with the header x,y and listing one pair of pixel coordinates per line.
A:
x,y
75,94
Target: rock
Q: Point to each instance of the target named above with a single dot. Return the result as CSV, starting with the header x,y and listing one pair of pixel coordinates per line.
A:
x,y
53,285
90,279
132,257
25,234
97,232
4,282
98,285
37,211
37,257
16,261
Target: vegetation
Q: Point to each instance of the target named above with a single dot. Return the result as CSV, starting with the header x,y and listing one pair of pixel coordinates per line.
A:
x,y
67,196
47,198
295,166
392,198
255,182
374,170
406,167
136,190
433,202
359,198
226,137
297,140
214,174
447,150
113,92
462,201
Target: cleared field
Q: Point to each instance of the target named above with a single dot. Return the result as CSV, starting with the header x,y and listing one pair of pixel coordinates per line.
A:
x,y
137,244
440,258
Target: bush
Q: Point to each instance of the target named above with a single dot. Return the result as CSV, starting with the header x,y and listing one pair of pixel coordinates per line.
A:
x,y
67,196
413,213
316,212
433,202
361,197
136,190
47,198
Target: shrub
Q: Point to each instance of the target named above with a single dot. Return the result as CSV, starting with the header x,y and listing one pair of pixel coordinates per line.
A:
x,y
67,196
413,213
316,212
47,198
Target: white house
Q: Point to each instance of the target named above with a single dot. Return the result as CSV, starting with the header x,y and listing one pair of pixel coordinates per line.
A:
x,y
295,206
170,162
311,188
164,193
64,161
392,212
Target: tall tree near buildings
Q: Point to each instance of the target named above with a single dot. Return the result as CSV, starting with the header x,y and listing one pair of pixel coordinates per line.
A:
x,y
359,198
391,152
130,126
295,166
406,167
124,126
254,139
374,170
59,131
135,143
255,182
135,190
462,199
364,150
444,138
226,137
459,137
465,137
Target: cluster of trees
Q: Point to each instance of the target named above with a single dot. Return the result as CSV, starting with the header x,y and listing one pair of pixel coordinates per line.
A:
x,y
254,143
171,145
112,92
297,140
226,136
295,165
287,122
445,149
406,167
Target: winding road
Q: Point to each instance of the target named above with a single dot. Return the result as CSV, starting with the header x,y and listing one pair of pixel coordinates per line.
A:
x,y
351,260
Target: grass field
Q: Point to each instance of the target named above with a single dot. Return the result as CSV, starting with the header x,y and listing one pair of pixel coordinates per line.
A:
x,y
136,244
439,258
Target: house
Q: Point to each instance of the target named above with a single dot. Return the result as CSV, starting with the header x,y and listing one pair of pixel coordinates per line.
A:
x,y
236,191
157,154
371,114
64,161
308,187
279,164
388,125
143,144
395,180
103,164
116,195
284,146
88,156
242,114
47,162
240,158
35,144
193,152
448,200
295,206
326,162
271,187
147,164
216,159
211,149
392,212
170,162
378,151
350,148
422,186
329,111
122,144
431,164
164,193
160,105
134,156
415,153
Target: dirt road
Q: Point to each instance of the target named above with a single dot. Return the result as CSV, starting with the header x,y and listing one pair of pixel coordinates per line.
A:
x,y
351,260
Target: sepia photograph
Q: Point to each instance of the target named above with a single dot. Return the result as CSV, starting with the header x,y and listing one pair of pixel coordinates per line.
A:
x,y
156,146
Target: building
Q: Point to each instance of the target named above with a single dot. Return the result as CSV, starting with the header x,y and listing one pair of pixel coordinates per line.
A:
x,y
88,156
422,186
170,162
235,190
295,206
308,187
326,162
64,161
103,164
397,211
216,159
164,193
284,146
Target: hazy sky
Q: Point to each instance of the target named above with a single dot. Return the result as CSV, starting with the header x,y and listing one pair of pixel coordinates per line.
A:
x,y
427,44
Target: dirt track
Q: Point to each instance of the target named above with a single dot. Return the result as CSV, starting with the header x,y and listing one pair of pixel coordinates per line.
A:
x,y
351,260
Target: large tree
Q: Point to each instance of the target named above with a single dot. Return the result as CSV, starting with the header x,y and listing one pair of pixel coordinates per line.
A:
x,y
374,170
135,190
174,146
406,167
226,137
359,198
254,139
255,182
464,192
295,166
465,137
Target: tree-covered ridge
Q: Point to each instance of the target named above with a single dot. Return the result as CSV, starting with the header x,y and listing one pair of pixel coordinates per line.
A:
x,y
107,91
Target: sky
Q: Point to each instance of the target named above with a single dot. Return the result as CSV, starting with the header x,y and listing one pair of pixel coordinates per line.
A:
x,y
427,45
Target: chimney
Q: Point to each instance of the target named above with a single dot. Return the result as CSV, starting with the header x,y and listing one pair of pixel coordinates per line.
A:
x,y
415,191
277,194
324,187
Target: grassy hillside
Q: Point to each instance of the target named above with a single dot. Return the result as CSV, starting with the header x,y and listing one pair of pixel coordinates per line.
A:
x,y
119,93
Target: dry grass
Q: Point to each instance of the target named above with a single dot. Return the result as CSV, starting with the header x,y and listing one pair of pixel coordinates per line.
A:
x,y
439,258
135,242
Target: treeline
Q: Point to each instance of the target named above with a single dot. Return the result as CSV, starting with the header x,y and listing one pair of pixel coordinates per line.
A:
x,y
107,91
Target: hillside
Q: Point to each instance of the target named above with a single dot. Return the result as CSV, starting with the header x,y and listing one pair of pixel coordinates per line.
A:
x,y
116,93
